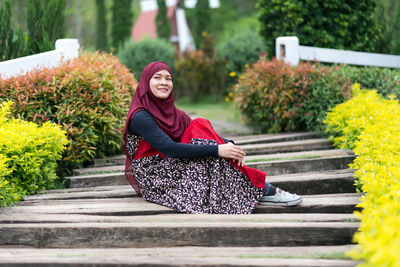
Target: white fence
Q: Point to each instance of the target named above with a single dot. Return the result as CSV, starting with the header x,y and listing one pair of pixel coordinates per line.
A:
x,y
289,49
65,49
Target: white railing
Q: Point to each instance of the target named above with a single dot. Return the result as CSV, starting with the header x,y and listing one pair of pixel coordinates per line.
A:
x,y
289,49
65,49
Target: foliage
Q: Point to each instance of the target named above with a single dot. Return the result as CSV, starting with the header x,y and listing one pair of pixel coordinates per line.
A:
x,y
201,21
28,155
89,96
45,23
137,55
331,24
386,81
122,20
200,73
162,22
224,21
388,15
243,48
101,26
369,124
12,45
276,97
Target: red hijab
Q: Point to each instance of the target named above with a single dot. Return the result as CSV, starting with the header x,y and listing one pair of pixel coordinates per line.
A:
x,y
170,119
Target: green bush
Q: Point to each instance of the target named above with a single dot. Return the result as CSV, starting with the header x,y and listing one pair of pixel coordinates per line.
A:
x,y
88,96
331,24
386,81
137,55
28,155
273,96
243,48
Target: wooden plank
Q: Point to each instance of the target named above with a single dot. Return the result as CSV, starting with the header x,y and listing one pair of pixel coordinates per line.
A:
x,y
290,146
176,217
102,235
279,167
325,182
340,203
316,153
185,256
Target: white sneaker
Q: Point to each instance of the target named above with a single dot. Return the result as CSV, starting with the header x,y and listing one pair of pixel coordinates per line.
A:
x,y
281,198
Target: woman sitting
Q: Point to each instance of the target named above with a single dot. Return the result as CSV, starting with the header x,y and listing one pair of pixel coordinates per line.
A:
x,y
184,164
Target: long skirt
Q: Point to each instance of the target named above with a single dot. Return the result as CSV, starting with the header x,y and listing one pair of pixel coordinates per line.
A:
x,y
203,185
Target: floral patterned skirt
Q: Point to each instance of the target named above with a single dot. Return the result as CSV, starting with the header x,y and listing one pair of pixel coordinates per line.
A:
x,y
204,185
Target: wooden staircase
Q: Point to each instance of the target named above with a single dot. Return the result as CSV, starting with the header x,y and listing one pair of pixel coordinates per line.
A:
x,y
100,221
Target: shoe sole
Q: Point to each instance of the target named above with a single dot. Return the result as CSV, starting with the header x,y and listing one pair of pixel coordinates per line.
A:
x,y
284,204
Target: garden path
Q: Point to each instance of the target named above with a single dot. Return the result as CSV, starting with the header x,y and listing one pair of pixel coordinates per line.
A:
x,y
100,221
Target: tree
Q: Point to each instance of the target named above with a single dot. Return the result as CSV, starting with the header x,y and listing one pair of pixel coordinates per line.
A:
x,y
101,29
162,22
388,16
331,24
201,20
45,23
11,45
122,19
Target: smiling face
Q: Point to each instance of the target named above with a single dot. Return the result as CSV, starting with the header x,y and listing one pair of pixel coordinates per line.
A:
x,y
161,84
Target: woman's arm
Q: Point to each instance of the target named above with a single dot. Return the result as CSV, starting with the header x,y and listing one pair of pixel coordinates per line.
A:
x,y
143,124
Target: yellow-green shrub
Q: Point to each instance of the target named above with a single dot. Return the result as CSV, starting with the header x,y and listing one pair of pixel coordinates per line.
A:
x,y
370,125
28,155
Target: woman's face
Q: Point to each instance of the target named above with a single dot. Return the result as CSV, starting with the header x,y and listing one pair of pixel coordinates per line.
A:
x,y
161,84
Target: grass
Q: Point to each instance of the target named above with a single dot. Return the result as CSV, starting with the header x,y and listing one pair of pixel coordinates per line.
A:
x,y
210,109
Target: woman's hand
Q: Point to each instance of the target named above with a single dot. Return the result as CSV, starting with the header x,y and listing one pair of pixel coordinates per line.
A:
x,y
231,151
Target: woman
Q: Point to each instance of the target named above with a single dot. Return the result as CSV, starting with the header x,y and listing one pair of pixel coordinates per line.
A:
x,y
184,164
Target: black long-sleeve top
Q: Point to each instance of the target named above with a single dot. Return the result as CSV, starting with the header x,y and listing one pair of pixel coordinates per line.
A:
x,y
144,125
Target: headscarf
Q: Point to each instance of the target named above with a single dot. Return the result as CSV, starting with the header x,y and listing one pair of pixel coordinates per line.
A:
x,y
170,119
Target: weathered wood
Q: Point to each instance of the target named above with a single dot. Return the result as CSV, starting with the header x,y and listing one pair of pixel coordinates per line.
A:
x,y
290,146
109,179
178,256
316,153
250,149
340,203
278,167
272,138
273,167
97,235
326,182
126,191
300,154
176,217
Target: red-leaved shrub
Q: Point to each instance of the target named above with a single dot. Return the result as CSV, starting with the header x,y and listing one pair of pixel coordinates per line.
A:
x,y
89,96
274,97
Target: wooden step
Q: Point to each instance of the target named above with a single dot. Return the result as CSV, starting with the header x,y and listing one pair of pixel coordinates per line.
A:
x,y
278,156
324,182
289,146
278,167
272,138
31,217
271,167
180,256
240,140
168,234
330,203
